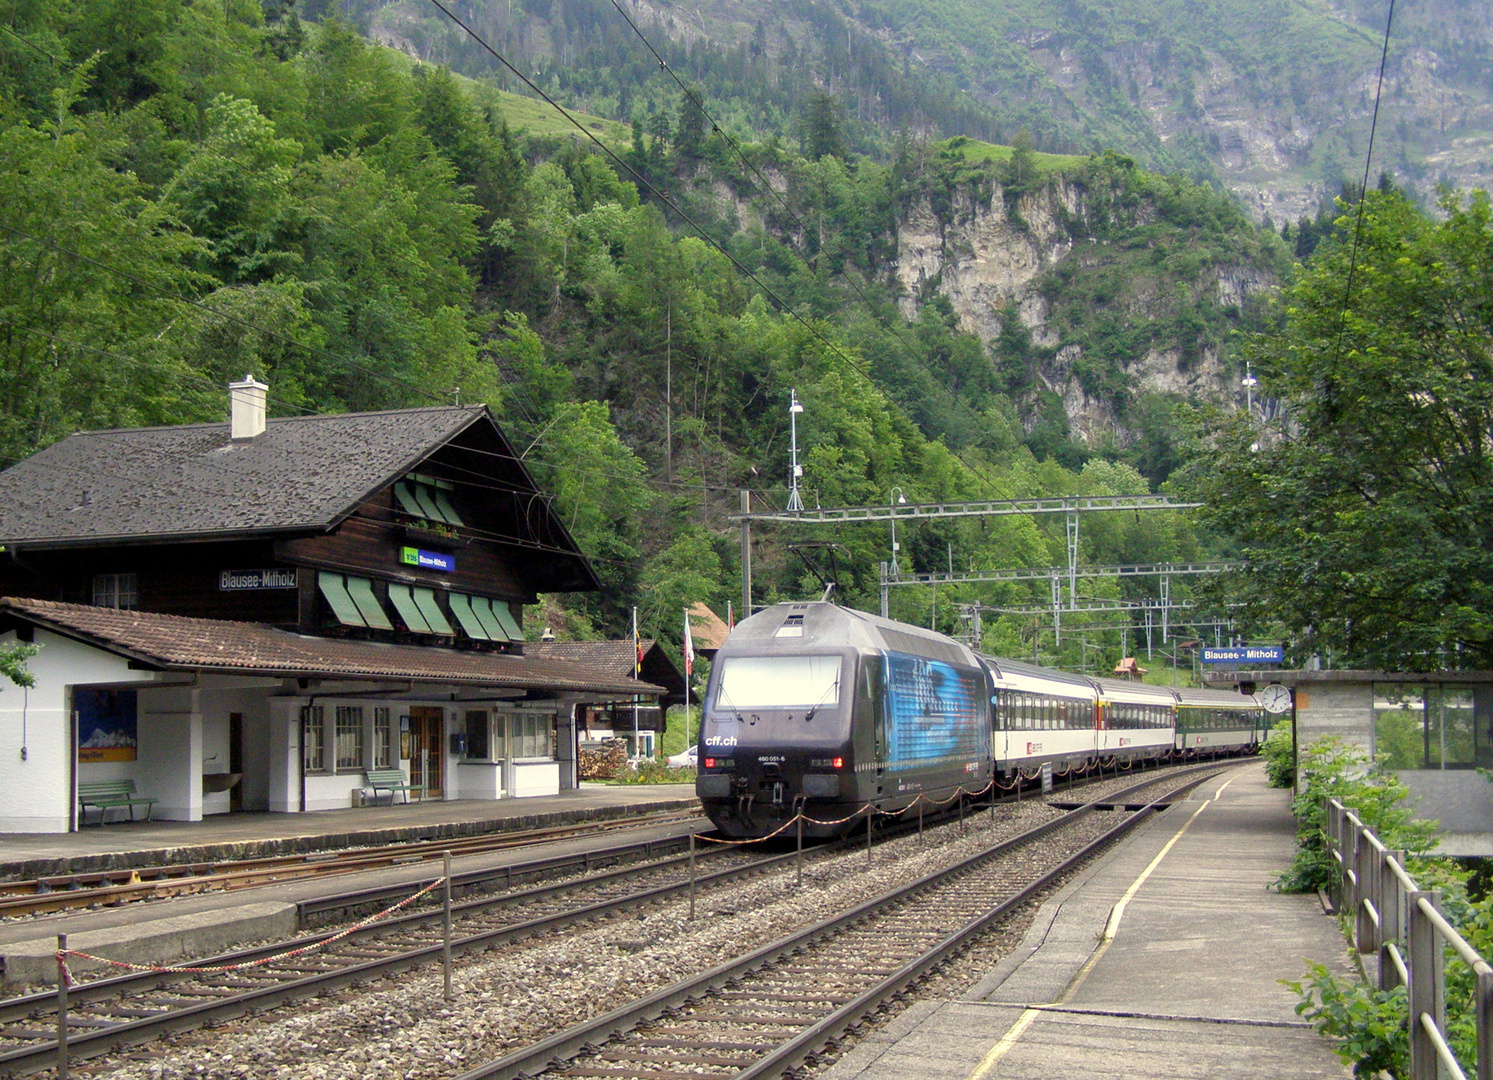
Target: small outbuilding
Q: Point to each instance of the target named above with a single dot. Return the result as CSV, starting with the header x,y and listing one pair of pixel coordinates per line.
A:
x,y
1434,730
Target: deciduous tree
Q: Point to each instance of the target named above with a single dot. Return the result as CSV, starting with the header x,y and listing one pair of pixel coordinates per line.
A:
x,y
1365,509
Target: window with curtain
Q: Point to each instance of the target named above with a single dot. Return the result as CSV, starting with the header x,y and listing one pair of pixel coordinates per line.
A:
x,y
349,737
383,738
313,738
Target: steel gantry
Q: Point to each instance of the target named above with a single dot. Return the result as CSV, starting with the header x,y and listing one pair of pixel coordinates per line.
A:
x,y
1070,507
1164,572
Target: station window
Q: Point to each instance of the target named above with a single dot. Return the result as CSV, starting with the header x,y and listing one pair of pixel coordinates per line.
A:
x,y
115,591
477,732
349,737
383,738
313,738
531,735
1429,727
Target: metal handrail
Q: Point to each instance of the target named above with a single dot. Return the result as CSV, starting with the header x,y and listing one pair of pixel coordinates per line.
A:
x,y
1403,924
1443,1052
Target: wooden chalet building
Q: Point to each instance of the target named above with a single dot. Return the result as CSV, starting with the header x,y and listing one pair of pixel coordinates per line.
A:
x,y
253,615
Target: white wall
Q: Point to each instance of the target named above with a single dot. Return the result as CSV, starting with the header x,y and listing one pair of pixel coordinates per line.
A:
x,y
170,764
38,793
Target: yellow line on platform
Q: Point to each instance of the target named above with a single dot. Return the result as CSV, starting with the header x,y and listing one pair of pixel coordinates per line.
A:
x,y
988,1063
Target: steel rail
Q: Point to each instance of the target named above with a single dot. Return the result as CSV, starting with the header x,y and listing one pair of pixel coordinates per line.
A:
x,y
147,1029
55,893
582,1038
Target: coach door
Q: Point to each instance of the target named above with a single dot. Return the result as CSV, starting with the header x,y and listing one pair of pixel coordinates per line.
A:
x,y
427,756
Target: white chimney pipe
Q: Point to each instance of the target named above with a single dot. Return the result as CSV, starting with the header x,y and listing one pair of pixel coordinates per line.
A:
x,y
247,400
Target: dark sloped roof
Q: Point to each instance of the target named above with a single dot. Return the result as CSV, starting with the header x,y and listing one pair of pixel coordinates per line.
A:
x,y
194,480
616,657
179,643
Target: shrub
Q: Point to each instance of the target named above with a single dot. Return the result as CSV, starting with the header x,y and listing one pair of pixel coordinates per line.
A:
x,y
651,771
1368,1024
1331,768
1279,752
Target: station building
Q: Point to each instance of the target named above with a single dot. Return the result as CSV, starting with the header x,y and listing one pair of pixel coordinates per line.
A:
x,y
1434,730
253,615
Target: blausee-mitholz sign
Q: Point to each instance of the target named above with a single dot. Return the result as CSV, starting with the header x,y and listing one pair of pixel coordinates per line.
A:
x,y
1243,654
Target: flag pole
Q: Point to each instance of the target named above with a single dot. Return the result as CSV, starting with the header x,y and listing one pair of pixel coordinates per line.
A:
x,y
637,671
689,672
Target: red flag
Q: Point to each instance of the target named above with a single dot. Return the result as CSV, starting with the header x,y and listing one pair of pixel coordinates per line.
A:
x,y
689,648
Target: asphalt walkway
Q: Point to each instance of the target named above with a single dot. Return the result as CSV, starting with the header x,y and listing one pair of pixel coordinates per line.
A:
x,y
1163,960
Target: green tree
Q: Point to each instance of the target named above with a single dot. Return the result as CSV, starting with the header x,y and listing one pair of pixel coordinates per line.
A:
x,y
823,127
1365,509
13,662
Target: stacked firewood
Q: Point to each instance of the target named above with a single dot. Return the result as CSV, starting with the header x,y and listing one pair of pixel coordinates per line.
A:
x,y
602,763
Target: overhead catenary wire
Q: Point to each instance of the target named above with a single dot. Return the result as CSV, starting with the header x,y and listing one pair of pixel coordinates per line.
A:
x,y
1363,194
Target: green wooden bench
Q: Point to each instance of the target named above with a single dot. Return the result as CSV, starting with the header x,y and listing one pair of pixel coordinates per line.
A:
x,y
104,795
392,780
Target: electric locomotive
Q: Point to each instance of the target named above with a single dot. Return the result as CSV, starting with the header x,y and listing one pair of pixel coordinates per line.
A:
x,y
819,708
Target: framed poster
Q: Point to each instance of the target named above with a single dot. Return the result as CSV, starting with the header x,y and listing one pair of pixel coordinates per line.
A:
x,y
107,725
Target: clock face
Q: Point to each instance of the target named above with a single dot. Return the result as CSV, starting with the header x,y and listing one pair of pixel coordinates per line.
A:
x,y
1276,698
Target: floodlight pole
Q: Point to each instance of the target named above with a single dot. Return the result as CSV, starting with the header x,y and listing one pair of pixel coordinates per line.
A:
x,y
795,504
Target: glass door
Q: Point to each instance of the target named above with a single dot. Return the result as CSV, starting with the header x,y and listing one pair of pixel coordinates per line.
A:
x,y
427,755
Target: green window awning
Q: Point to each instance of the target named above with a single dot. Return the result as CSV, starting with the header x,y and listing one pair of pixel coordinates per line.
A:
x,y
505,617
427,504
335,591
404,603
361,590
467,617
483,611
406,499
443,504
434,616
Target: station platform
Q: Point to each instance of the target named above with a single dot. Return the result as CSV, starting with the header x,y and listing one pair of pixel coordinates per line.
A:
x,y
123,845
169,931
1162,960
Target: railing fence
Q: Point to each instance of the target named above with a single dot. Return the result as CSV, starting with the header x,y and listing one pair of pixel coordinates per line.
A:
x,y
1401,923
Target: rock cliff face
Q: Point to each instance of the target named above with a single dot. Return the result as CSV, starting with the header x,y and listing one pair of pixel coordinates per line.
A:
x,y
992,265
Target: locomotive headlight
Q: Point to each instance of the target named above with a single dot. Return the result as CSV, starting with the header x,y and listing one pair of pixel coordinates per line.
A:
x,y
837,763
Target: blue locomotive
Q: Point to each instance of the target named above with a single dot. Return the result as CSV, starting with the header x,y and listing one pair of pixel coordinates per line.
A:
x,y
819,708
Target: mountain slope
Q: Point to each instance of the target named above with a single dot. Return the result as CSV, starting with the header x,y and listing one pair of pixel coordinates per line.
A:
x,y
1273,98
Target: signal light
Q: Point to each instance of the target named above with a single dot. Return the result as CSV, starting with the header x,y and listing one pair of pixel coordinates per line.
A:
x,y
837,763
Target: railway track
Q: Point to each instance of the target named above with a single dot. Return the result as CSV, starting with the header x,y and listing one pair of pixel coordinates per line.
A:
x,y
75,892
764,1014
112,1014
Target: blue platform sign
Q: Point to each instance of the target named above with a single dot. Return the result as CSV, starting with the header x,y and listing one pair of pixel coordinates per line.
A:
x,y
1243,654
427,560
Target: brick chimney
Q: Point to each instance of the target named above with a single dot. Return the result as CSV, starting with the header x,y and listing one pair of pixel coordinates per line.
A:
x,y
246,401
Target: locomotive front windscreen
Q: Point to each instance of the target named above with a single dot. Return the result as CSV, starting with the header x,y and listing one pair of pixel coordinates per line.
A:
x,y
778,682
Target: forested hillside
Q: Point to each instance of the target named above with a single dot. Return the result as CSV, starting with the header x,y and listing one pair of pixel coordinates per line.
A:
x,y
190,192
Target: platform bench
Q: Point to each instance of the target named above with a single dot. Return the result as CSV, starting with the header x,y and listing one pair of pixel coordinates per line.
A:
x,y
106,794
392,780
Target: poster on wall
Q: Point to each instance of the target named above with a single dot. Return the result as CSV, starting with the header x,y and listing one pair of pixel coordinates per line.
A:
x,y
106,724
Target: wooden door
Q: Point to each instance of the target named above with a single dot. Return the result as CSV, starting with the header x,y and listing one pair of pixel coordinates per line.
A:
x,y
427,755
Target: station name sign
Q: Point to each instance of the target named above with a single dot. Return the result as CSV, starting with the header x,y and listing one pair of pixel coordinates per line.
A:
x,y
234,580
428,560
1243,654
